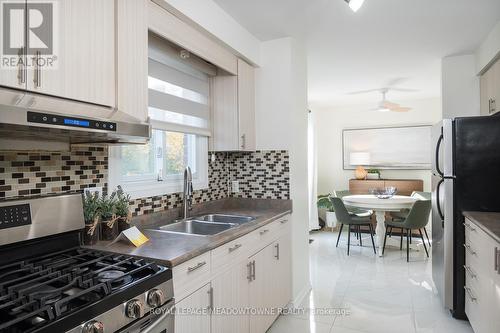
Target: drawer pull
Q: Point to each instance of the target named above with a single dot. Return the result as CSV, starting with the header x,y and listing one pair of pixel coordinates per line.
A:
x,y
284,221
249,276
469,249
264,231
198,265
468,226
470,272
470,294
234,248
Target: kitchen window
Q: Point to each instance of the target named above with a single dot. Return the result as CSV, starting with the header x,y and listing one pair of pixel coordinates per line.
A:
x,y
179,94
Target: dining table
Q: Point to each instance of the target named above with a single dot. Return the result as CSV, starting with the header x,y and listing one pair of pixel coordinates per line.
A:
x,y
380,206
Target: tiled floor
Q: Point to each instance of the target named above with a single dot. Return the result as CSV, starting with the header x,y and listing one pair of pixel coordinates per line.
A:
x,y
381,295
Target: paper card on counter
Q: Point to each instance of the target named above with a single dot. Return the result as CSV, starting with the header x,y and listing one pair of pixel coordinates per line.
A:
x,y
132,235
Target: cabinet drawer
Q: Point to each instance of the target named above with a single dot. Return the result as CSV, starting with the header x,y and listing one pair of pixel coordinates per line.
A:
x,y
190,275
231,252
479,248
285,223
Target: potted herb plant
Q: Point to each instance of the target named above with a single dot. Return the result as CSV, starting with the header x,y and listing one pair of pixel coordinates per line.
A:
x,y
325,203
373,174
109,220
122,209
91,205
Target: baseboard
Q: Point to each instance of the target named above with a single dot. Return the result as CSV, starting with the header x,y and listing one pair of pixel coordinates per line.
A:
x,y
301,295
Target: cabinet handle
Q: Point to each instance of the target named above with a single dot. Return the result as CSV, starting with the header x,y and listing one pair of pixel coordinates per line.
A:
x,y
249,267
470,272
277,246
469,249
468,226
210,299
470,294
234,248
198,265
37,79
21,74
497,260
253,270
243,141
262,232
492,105
284,221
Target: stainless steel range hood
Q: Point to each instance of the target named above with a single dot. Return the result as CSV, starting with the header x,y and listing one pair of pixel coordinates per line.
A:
x,y
30,124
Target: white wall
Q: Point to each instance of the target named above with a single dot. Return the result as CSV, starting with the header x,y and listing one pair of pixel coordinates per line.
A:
x,y
281,123
331,122
212,18
488,50
459,86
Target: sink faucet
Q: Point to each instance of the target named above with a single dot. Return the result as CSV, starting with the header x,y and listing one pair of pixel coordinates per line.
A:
x,y
187,196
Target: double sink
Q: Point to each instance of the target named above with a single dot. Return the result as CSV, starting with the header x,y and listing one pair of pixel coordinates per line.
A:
x,y
206,225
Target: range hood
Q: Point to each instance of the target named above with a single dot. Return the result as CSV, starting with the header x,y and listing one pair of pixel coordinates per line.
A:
x,y
31,123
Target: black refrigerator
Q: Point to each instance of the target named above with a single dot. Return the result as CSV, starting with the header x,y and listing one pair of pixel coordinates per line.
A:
x,y
465,177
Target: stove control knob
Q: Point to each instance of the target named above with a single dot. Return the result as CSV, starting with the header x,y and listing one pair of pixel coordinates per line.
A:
x,y
155,298
93,326
134,309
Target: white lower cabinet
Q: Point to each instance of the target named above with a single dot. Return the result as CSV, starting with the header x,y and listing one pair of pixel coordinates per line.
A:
x,y
244,294
230,293
192,312
482,279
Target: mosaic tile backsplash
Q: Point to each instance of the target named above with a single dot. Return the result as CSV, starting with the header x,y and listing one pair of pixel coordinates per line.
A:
x,y
29,173
261,174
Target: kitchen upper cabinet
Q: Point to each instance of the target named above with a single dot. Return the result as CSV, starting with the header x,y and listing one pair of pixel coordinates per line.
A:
x,y
14,75
191,315
132,59
490,90
231,291
84,46
233,110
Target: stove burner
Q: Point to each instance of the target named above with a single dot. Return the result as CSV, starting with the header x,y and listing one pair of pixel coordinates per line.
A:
x,y
116,277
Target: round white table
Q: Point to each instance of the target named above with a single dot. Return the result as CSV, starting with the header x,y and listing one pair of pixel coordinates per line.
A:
x,y
380,207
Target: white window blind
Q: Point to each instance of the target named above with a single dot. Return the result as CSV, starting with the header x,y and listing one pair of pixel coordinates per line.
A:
x,y
178,90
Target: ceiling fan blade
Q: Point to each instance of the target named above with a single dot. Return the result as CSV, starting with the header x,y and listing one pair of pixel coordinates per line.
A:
x,y
363,91
404,89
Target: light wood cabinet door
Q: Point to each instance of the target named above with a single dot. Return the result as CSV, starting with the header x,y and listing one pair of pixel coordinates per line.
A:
x,y
231,292
224,106
490,90
132,59
282,281
246,106
12,71
84,69
192,313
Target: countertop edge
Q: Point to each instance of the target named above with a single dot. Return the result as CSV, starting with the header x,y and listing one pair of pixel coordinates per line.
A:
x,y
471,215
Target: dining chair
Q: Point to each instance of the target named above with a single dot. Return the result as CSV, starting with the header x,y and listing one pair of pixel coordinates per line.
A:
x,y
401,215
356,211
417,218
351,220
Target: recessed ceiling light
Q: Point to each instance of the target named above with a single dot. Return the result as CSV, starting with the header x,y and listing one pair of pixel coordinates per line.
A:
x,y
355,4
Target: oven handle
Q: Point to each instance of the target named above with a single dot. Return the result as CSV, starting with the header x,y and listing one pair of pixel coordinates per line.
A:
x,y
167,311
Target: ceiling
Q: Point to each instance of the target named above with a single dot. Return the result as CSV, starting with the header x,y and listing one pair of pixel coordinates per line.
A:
x,y
385,40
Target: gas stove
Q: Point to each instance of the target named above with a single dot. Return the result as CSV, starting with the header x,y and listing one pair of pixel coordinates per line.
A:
x,y
48,283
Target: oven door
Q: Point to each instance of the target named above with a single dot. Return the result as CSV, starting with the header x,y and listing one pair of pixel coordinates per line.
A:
x,y
160,320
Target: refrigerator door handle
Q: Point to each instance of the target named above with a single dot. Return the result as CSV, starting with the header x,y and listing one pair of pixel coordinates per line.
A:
x,y
438,145
438,200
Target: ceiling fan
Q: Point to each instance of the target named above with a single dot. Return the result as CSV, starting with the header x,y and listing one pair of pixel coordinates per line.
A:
x,y
385,105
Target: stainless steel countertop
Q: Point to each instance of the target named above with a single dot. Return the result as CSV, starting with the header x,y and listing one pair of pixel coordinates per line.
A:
x,y
174,249
488,222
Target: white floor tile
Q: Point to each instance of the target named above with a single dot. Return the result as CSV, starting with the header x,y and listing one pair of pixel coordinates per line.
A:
x,y
379,294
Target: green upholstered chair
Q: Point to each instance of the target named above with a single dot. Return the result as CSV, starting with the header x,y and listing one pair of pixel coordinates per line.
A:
x,y
351,220
417,219
401,215
356,211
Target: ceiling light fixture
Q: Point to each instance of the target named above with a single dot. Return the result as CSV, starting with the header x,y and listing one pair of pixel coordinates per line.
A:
x,y
355,4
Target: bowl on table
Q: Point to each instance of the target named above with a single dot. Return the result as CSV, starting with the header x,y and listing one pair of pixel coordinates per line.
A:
x,y
384,192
